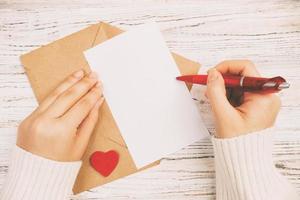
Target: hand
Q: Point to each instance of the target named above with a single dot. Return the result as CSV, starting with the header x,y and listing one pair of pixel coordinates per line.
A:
x,y
242,112
60,128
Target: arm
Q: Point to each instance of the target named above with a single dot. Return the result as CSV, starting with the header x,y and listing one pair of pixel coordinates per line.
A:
x,y
52,140
245,169
243,140
34,177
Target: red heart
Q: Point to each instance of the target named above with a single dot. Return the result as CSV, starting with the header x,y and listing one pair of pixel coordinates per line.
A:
x,y
104,162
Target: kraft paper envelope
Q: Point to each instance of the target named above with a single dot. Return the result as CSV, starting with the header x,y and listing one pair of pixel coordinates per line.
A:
x,y
49,65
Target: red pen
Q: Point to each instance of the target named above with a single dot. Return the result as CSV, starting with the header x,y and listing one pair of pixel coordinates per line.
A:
x,y
247,83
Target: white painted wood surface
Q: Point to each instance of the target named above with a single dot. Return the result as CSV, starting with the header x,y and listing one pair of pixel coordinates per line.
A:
x,y
208,31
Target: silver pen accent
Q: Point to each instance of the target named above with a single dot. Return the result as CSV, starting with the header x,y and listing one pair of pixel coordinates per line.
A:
x,y
283,85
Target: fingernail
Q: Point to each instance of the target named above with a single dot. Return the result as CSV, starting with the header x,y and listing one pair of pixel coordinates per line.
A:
x,y
93,75
78,74
212,75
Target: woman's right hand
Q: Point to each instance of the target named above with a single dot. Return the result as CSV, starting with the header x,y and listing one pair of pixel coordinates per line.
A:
x,y
241,113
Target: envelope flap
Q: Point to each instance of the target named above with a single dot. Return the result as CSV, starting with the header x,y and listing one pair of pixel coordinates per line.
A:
x,y
57,60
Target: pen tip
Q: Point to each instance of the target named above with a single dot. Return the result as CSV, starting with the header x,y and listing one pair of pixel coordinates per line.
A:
x,y
284,85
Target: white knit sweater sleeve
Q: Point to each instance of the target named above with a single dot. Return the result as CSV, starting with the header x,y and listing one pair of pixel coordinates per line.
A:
x,y
245,169
31,177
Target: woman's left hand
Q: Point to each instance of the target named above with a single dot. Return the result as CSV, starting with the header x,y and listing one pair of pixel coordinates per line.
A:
x,y
60,128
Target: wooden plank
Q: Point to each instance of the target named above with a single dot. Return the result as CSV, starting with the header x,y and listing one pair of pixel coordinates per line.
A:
x,y
210,31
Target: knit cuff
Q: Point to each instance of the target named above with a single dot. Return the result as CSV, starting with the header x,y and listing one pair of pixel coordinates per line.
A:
x,y
34,177
245,169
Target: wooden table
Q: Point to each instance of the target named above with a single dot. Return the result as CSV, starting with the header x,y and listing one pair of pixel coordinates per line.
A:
x,y
208,31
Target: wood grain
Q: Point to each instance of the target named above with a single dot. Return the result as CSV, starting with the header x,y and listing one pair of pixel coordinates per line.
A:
x,y
267,32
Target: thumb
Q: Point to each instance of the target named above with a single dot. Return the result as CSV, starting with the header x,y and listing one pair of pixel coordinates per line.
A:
x,y
216,94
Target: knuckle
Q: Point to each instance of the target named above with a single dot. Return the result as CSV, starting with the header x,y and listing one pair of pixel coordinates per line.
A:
x,y
80,87
68,82
91,98
87,82
87,102
249,64
77,89
84,84
71,80
69,93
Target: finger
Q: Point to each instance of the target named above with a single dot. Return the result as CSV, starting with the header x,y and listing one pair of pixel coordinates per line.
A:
x,y
87,126
216,93
229,93
66,84
266,106
239,67
237,97
260,99
68,98
82,108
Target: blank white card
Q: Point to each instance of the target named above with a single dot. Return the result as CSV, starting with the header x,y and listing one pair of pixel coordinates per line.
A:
x,y
154,112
